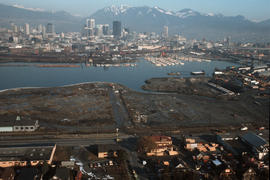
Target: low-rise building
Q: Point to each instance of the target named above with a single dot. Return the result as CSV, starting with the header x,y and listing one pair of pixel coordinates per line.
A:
x,y
257,144
107,150
164,146
29,154
18,124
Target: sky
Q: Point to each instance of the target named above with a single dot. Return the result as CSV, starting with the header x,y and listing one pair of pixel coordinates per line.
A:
x,y
256,10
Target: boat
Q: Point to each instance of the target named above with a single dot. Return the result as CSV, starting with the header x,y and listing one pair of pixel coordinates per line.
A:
x,y
197,73
56,65
174,73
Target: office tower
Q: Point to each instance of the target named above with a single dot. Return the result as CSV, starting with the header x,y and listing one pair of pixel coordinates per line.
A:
x,y
117,29
165,31
90,23
14,28
27,29
50,28
86,32
44,31
99,30
105,29
40,28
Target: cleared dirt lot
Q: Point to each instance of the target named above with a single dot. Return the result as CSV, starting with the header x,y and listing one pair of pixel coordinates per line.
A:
x,y
190,102
80,105
90,107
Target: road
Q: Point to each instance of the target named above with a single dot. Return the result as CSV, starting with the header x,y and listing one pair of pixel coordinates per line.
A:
x,y
119,111
65,141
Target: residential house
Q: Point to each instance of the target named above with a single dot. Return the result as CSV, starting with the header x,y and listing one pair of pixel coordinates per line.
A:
x,y
7,173
164,146
107,150
250,174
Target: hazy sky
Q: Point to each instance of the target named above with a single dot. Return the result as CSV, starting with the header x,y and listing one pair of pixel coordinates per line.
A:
x,y
251,9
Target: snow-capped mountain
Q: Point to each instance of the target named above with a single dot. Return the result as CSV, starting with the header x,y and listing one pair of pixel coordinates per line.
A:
x,y
187,22
116,10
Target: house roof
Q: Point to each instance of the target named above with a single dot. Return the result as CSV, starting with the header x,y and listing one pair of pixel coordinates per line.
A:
x,y
62,173
161,138
26,152
14,120
216,162
254,140
28,173
7,172
108,147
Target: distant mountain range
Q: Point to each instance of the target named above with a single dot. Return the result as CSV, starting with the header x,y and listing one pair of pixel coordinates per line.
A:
x,y
187,22
19,15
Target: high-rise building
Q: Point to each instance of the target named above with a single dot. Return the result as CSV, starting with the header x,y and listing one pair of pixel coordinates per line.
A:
x,y
90,23
86,32
105,29
14,27
27,29
43,31
99,30
40,28
50,28
165,31
117,29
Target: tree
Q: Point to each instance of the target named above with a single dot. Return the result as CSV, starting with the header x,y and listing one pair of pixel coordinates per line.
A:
x,y
145,144
122,155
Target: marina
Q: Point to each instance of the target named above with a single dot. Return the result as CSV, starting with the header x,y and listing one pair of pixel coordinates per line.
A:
x,y
164,61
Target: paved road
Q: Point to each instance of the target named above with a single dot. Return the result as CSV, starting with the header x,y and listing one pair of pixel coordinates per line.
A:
x,y
67,141
119,111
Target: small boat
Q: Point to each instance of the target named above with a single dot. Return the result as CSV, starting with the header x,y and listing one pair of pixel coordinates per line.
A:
x,y
174,73
197,73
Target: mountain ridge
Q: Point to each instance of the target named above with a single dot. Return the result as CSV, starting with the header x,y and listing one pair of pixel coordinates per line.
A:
x,y
187,22
62,19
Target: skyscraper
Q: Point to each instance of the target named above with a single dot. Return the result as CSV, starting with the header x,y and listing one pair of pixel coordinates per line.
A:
x,y
14,27
105,29
43,31
165,31
50,28
27,29
90,23
117,29
99,30
40,28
